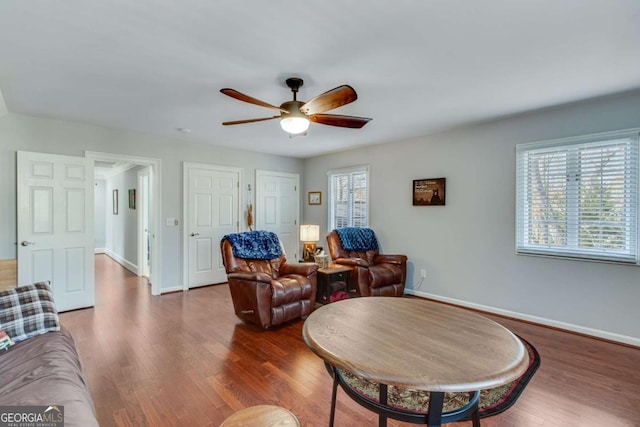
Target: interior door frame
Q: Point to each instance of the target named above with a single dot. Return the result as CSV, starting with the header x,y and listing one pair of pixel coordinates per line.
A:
x,y
155,208
186,167
142,197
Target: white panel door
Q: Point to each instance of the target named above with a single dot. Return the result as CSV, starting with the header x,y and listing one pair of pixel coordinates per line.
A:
x,y
278,206
55,226
212,212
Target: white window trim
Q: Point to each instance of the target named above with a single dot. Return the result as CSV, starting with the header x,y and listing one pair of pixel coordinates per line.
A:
x,y
343,170
349,169
633,133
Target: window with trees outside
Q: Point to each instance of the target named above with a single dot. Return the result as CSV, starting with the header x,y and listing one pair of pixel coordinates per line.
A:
x,y
349,197
578,197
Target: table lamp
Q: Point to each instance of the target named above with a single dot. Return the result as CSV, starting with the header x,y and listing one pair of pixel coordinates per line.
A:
x,y
309,235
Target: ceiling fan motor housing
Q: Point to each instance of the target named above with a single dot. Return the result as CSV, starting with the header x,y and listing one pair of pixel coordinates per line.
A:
x,y
293,108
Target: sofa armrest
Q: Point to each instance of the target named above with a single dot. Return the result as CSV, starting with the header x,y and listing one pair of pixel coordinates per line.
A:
x,y
304,269
352,262
390,259
251,277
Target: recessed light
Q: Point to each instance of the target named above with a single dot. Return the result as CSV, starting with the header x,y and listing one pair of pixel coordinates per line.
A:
x,y
184,130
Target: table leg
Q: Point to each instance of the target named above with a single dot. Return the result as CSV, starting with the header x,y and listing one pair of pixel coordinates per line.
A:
x,y
436,402
382,398
475,418
434,417
334,394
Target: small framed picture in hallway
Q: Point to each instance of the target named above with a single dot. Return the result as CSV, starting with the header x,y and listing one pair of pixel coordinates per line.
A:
x,y
115,202
132,199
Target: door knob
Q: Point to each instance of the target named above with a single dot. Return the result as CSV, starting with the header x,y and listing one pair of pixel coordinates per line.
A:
x,y
195,234
25,243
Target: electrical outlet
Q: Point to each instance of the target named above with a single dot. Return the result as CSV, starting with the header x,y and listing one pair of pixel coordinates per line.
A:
x,y
423,274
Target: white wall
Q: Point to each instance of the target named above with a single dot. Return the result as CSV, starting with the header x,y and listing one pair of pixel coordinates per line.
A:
x,y
20,132
468,246
100,214
122,228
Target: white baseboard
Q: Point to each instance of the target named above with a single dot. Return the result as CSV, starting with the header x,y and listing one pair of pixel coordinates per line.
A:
x,y
99,251
534,319
123,262
173,289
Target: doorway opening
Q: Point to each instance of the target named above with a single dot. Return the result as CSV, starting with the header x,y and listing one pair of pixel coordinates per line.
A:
x,y
142,196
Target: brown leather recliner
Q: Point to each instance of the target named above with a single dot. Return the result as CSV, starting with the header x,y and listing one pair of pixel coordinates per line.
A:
x,y
269,292
375,274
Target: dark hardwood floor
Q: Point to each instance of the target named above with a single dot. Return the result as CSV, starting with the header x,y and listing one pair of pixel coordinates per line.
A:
x,y
184,359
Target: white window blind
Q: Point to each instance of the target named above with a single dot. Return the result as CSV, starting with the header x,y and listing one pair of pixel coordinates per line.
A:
x,y
578,197
349,197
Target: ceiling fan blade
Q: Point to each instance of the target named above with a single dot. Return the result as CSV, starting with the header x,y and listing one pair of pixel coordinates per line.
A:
x,y
246,98
239,122
334,98
339,120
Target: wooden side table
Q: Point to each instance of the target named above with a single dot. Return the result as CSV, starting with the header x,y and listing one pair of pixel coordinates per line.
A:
x,y
328,276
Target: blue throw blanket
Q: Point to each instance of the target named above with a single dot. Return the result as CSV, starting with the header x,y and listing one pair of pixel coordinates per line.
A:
x,y
357,239
255,244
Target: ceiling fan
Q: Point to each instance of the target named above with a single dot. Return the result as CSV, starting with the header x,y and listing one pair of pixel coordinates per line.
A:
x,y
295,115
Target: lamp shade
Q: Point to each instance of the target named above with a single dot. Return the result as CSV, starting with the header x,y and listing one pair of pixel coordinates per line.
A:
x,y
309,233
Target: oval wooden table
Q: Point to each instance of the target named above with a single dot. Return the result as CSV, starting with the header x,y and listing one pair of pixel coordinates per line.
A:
x,y
414,343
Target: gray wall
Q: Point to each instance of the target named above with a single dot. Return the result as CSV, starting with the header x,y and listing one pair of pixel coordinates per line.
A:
x,y
468,246
122,229
19,132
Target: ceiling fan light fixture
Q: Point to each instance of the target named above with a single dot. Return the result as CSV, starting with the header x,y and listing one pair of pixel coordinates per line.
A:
x,y
294,121
294,125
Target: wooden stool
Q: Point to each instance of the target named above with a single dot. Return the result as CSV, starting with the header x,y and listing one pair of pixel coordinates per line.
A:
x,y
261,416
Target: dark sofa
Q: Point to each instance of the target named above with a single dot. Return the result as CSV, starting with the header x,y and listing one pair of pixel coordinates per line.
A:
x,y
42,368
45,370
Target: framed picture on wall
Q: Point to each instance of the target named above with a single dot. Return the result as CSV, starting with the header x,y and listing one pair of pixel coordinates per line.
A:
x,y
132,199
115,202
429,192
315,197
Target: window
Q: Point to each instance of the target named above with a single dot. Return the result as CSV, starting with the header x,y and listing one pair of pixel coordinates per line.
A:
x,y
577,197
349,197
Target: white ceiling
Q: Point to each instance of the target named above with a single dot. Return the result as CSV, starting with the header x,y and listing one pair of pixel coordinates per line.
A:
x,y
418,67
